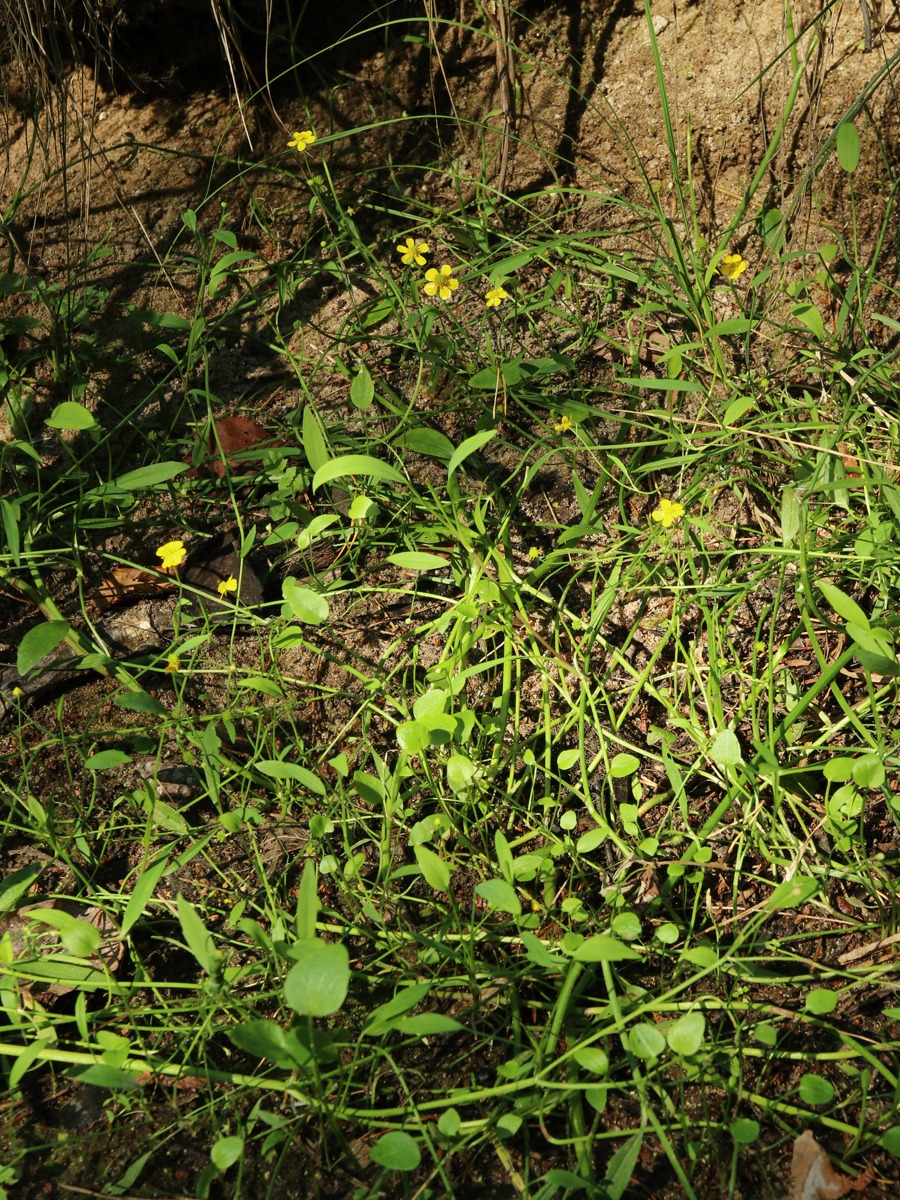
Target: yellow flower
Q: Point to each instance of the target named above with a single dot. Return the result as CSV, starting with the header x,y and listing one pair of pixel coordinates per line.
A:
x,y
494,296
668,512
533,553
440,282
172,664
17,692
732,265
172,554
412,251
564,424
227,585
302,141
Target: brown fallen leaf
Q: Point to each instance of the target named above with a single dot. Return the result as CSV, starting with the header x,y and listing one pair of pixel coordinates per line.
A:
x,y
124,584
230,443
814,1178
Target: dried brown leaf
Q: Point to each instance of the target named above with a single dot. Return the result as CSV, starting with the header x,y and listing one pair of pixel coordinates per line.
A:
x,y
814,1178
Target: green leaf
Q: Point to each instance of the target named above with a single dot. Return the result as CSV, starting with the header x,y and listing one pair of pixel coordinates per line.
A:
x,y
847,146
39,642
315,446
144,887
434,869
317,983
15,885
427,1024
449,1122
627,926
811,318
592,1059
621,1166
199,940
106,760
70,415
770,226
147,477
890,1140
307,902
790,515
413,737
815,1090
11,512
792,892
765,1033
469,447
382,1018
263,1039
362,389
101,1075
418,560
226,1152
603,948
821,1001
396,1151
355,464
80,938
645,1040
309,607
427,441
274,768
845,606
497,893
744,1130
461,772
868,771
726,749
537,952
568,758
685,1036
623,765
141,702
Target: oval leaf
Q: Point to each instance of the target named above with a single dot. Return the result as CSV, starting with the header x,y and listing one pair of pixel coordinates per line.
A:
x,y
39,642
469,446
685,1036
306,605
147,477
70,415
396,1151
646,1041
603,948
434,868
317,983
847,146
418,560
497,893
355,464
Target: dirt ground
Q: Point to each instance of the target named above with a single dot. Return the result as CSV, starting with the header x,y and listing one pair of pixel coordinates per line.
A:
x,y
127,161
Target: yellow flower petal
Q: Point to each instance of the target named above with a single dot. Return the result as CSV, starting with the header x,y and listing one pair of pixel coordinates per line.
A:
x,y
172,554
668,512
732,265
494,296
412,251
302,141
227,585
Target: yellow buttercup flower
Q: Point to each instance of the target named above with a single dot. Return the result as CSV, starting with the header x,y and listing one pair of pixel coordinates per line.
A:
x,y
533,553
440,282
412,251
172,554
564,424
668,512
228,585
172,664
732,265
302,141
494,296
